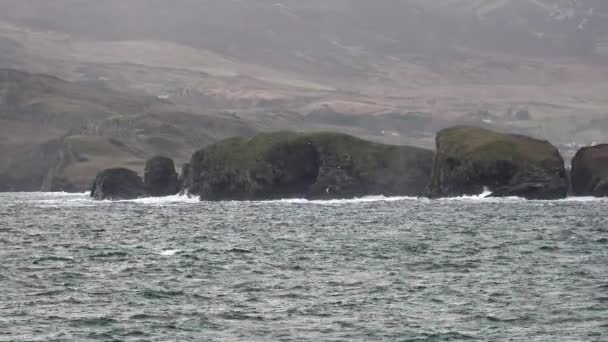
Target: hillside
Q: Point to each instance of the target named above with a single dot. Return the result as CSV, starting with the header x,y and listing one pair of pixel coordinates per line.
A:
x,y
55,135
398,54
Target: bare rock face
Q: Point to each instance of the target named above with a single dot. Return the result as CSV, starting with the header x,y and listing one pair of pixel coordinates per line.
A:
x,y
590,171
160,177
118,184
469,160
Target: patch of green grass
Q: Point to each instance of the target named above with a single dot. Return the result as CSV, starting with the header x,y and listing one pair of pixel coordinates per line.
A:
x,y
485,144
240,153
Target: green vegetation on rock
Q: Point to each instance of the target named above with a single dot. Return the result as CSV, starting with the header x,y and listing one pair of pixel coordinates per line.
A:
x,y
486,144
311,165
470,159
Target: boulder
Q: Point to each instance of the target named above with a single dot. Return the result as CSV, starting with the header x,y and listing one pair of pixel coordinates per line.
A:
x,y
470,160
313,165
590,171
118,184
160,177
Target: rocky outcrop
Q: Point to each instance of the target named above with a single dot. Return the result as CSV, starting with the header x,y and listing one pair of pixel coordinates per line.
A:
x,y
590,171
317,165
118,184
469,160
160,177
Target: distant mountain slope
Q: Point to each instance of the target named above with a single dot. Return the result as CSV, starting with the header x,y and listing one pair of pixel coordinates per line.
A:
x,y
55,135
574,28
280,29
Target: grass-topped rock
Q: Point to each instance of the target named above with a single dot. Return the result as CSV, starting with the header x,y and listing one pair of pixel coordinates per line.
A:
x,y
312,165
590,171
470,159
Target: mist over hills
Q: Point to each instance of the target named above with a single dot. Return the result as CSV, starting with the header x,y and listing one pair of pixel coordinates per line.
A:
x,y
566,27
394,71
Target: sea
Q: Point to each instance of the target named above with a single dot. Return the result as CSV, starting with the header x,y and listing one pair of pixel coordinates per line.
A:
x,y
369,269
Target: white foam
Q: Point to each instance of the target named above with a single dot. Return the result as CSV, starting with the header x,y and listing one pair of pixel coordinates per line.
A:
x,y
165,200
54,199
583,199
169,252
485,197
60,199
366,199
59,194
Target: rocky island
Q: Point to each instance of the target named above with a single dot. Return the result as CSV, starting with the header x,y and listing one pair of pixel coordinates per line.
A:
x,y
118,184
160,179
311,165
469,160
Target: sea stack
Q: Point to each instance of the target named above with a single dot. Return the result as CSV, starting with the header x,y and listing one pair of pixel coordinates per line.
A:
x,y
312,165
469,160
118,184
590,171
160,177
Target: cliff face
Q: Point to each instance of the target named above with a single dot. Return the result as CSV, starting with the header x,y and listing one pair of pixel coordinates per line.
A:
x,y
316,165
469,160
590,171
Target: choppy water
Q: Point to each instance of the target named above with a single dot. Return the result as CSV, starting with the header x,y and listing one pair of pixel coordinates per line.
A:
x,y
363,270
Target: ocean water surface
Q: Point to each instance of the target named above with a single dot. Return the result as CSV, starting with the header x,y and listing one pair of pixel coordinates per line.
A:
x,y
372,269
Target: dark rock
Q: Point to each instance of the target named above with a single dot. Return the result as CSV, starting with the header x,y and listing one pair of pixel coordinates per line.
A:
x,y
160,177
118,184
535,187
590,171
601,189
319,165
469,160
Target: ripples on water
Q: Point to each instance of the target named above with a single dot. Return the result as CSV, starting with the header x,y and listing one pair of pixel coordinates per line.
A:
x,y
375,269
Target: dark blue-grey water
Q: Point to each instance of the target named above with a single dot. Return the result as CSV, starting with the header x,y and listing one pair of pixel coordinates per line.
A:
x,y
363,270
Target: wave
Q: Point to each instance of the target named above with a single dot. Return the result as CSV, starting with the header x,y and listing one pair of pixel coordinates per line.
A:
x,y
175,199
84,199
583,199
365,199
484,196
51,194
169,252
54,199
